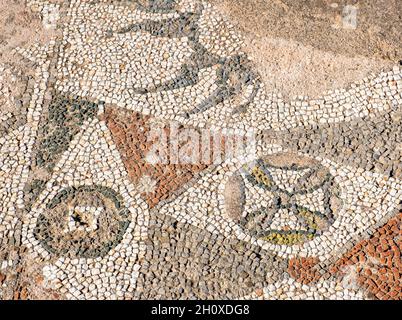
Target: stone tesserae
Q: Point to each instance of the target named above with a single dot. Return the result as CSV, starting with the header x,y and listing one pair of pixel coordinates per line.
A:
x,y
146,159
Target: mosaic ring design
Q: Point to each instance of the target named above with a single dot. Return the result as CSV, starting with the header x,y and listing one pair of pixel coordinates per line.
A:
x,y
70,228
283,184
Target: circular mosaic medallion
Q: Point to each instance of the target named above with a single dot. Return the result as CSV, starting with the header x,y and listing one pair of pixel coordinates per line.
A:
x,y
83,222
283,199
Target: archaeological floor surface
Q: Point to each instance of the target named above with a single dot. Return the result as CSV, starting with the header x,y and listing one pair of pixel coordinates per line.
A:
x,y
189,149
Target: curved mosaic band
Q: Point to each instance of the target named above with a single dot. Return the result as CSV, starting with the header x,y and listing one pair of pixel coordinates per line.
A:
x,y
110,225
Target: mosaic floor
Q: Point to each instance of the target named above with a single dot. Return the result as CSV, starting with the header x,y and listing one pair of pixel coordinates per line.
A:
x,y
147,160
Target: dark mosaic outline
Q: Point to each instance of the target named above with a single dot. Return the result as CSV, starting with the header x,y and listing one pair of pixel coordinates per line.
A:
x,y
43,235
187,26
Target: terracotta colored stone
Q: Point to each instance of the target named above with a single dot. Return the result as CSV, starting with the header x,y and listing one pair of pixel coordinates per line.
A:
x,y
24,294
259,292
39,279
382,277
131,133
304,270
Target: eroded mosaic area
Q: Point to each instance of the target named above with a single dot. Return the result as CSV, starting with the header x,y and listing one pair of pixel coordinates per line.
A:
x,y
144,158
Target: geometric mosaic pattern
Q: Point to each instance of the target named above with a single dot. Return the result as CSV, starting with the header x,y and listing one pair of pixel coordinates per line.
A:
x,y
310,209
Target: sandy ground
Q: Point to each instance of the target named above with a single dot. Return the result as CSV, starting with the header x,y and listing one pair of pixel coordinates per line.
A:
x,y
21,26
309,47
